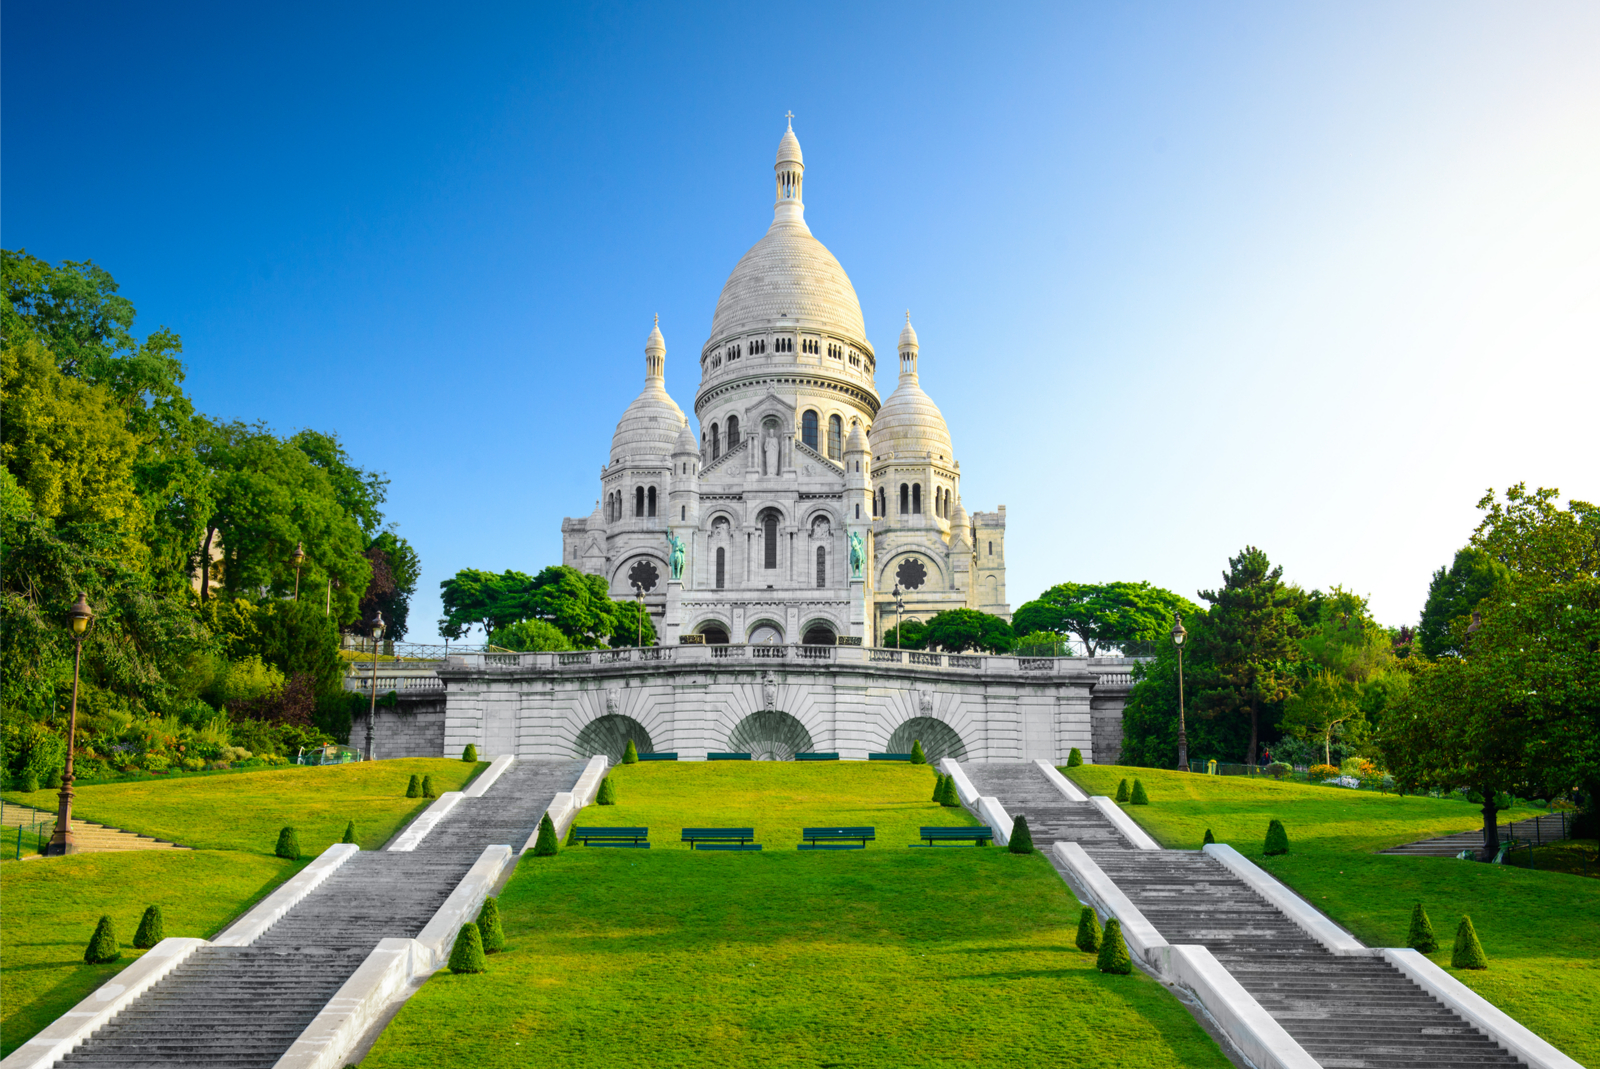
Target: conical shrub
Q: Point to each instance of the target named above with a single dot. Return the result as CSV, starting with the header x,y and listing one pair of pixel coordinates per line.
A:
x,y
546,845
1088,931
103,946
1122,791
1277,838
608,793
630,755
1075,758
151,929
1139,797
1209,838
494,936
470,753
427,787
467,954
349,833
288,844
1021,841
938,786
1468,952
1421,936
952,796
414,788
917,756
1113,951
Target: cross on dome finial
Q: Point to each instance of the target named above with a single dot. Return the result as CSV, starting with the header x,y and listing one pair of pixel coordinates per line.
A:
x,y
908,315
790,116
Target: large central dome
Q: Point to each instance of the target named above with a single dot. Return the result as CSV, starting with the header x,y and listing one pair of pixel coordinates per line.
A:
x,y
788,278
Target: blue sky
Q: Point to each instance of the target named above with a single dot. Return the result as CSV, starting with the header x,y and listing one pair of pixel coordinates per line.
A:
x,y
1187,276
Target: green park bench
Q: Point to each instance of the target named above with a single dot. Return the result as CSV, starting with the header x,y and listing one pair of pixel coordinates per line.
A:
x,y
976,836
658,757
630,837
888,757
720,838
837,838
816,757
727,757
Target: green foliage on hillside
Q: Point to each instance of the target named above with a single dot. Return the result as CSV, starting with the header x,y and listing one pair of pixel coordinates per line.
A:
x,y
1103,615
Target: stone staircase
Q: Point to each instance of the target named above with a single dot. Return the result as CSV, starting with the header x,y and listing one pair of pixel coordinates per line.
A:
x,y
242,1007
88,837
1348,1012
1539,829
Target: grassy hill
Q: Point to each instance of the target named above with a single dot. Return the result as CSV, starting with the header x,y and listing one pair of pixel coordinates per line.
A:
x,y
888,956
1541,930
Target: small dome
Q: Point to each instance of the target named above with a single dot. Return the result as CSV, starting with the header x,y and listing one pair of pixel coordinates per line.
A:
x,y
789,148
686,442
908,336
655,344
857,442
910,424
650,426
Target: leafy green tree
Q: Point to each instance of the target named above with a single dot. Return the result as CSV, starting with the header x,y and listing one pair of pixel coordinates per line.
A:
x,y
1103,615
1453,594
531,636
1252,641
1325,707
473,598
395,571
906,635
631,625
577,604
959,630
299,640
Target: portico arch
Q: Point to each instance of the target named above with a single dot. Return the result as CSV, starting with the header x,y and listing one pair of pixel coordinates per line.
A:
x,y
770,735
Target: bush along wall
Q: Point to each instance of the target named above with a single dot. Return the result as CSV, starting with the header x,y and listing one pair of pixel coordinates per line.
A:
x,y
546,845
917,756
427,787
152,929
1021,841
608,793
938,787
952,797
1113,951
1209,838
414,788
467,955
1421,936
1075,758
349,833
470,754
630,756
493,935
1088,931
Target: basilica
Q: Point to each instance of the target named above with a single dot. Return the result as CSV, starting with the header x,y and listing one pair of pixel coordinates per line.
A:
x,y
808,510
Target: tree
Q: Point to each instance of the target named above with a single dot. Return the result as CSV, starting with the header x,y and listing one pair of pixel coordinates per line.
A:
x,y
1103,614
1322,708
1453,594
579,605
906,635
473,598
531,636
1252,640
395,571
959,630
631,624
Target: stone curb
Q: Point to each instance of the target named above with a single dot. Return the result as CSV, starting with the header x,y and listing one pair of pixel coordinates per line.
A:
x,y
462,905
1236,1012
496,769
588,785
992,813
1124,823
563,809
1060,782
412,837
69,1030
1477,1011
1297,909
964,787
270,910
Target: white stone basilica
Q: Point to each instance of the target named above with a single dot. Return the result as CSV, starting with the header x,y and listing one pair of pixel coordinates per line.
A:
x,y
806,500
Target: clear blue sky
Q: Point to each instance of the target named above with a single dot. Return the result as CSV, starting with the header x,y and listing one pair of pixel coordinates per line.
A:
x,y
1187,276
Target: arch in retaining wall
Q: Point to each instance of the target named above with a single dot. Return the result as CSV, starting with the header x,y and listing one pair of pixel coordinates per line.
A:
x,y
770,735
938,739
609,735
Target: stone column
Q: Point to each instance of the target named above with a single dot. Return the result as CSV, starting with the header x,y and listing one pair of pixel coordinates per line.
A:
x,y
672,619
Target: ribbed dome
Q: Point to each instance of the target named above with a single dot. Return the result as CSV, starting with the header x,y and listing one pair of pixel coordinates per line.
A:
x,y
788,278
789,148
650,426
910,423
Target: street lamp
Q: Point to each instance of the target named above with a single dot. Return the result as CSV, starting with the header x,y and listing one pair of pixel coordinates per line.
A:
x,y
638,597
1178,635
299,558
61,841
372,710
899,612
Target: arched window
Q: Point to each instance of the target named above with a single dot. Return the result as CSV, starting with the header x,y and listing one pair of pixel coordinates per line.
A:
x,y
905,499
769,538
916,498
883,502
638,501
722,567
822,567
733,432
808,429
716,443
650,498
683,513
835,438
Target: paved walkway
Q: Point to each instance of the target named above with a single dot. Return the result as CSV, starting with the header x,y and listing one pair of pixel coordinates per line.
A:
x,y
1548,828
1354,1012
89,838
242,1007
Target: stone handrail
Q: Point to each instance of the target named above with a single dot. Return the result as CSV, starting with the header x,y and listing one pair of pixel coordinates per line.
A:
x,y
795,654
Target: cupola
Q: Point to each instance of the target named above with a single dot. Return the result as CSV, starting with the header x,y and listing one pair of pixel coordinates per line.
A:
x,y
651,424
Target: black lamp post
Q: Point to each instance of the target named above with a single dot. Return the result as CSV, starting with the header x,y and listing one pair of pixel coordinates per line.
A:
x,y
1178,635
372,710
899,612
638,597
299,558
61,841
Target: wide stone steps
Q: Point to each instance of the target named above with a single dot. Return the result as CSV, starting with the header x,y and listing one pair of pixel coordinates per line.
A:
x,y
1347,1012
242,1007
1023,790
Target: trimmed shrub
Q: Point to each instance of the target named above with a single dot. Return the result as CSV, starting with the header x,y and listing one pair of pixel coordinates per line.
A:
x,y
917,756
470,754
1122,791
151,929
546,846
349,833
1277,839
103,946
608,793
1209,837
1088,931
1468,952
952,797
427,787
1074,759
467,954
494,936
1021,841
288,844
938,786
414,788
1139,797
1113,951
1421,936
630,756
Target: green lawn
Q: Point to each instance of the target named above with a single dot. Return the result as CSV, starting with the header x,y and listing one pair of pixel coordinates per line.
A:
x,y
1541,930
884,957
51,905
